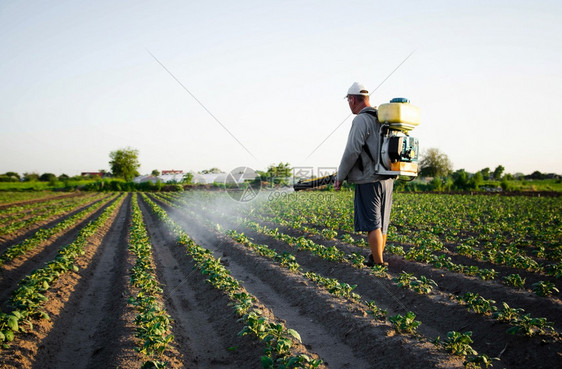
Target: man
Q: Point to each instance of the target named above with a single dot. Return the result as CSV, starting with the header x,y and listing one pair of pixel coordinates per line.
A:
x,y
373,192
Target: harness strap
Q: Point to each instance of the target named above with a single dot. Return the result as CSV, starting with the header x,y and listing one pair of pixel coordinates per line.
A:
x,y
365,146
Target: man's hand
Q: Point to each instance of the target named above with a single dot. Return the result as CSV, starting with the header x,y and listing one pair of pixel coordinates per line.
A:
x,y
337,185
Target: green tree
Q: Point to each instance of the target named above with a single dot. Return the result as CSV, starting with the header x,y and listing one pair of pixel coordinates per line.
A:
x,y
124,163
434,163
279,173
279,170
537,175
47,177
29,177
498,172
13,174
476,180
5,178
155,173
460,180
187,178
506,185
485,173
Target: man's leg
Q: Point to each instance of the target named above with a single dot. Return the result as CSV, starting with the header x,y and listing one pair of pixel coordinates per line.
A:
x,y
377,243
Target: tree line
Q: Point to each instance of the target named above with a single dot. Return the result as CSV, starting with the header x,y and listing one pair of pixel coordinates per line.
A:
x,y
437,167
434,165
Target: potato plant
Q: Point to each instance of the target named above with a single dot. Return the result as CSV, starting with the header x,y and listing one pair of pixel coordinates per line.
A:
x,y
27,301
406,323
50,212
423,285
44,234
152,322
220,278
544,288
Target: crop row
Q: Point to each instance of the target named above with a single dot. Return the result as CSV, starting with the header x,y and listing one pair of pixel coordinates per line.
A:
x,y
288,260
405,324
425,249
529,225
152,321
18,196
44,234
521,324
19,211
277,338
50,212
27,301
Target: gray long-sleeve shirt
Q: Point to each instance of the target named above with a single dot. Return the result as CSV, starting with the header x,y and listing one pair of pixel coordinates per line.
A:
x,y
365,128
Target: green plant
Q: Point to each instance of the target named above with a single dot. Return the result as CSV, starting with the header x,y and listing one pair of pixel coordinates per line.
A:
x,y
44,234
543,288
476,362
404,280
242,302
531,326
477,303
423,285
290,362
329,234
514,280
336,288
277,339
9,325
254,324
375,311
406,323
396,250
356,259
288,260
507,314
28,299
554,270
379,270
487,274
346,237
152,322
459,343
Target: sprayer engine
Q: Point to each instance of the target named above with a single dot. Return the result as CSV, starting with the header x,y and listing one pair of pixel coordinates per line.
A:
x,y
399,151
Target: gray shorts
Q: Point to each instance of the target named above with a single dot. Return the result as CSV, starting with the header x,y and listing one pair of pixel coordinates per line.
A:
x,y
372,205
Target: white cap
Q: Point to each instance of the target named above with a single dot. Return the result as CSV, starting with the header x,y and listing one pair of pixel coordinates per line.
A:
x,y
358,89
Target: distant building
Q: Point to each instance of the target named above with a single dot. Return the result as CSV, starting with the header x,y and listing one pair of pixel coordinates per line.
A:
x,y
173,175
208,178
93,174
173,171
143,179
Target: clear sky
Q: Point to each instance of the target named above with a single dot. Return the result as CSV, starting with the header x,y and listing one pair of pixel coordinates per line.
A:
x,y
77,81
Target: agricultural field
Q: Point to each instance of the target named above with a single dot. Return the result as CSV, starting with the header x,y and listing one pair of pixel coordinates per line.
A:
x,y
196,279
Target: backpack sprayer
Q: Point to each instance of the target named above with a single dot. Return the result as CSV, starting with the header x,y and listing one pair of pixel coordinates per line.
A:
x,y
398,154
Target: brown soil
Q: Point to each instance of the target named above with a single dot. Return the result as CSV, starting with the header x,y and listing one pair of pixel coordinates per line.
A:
x,y
49,197
92,326
13,238
15,270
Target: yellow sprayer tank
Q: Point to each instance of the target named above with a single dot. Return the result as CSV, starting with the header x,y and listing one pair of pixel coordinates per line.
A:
x,y
399,114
